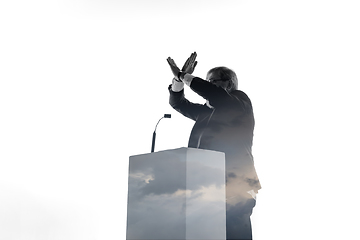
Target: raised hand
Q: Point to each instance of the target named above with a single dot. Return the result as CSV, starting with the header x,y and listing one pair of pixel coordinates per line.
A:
x,y
190,64
175,70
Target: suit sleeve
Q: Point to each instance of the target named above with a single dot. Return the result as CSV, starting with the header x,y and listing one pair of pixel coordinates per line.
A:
x,y
217,96
178,101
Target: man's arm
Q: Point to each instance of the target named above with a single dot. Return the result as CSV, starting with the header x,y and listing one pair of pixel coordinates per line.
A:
x,y
177,98
178,101
208,90
214,94
176,85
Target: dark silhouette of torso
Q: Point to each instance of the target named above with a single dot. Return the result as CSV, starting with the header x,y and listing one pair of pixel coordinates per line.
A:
x,y
227,126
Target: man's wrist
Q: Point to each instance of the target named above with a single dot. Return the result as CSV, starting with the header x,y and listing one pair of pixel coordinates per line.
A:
x,y
187,78
180,75
176,85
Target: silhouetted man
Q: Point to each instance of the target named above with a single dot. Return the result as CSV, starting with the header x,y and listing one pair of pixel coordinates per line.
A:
x,y
225,123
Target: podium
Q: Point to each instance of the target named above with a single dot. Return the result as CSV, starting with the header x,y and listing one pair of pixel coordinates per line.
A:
x,y
177,194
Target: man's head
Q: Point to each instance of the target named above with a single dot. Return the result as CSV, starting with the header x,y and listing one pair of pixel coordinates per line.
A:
x,y
223,77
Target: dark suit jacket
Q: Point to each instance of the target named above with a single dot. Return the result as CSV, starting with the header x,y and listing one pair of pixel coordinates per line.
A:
x,y
227,127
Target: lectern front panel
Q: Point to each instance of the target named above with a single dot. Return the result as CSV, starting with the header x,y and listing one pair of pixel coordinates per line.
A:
x,y
177,194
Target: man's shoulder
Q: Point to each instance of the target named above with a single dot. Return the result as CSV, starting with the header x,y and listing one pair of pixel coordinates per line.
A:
x,y
242,97
240,94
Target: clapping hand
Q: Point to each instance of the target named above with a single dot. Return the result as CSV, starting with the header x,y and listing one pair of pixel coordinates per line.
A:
x,y
188,67
175,70
190,64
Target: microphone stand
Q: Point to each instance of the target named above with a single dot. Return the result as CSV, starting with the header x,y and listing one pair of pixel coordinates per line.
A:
x,y
154,134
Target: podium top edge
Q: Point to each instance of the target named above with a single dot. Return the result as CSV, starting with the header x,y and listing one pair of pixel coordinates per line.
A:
x,y
174,149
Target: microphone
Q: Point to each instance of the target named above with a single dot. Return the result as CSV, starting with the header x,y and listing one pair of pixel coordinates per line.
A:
x,y
154,134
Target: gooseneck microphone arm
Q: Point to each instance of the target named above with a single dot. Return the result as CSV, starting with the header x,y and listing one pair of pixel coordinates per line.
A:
x,y
154,134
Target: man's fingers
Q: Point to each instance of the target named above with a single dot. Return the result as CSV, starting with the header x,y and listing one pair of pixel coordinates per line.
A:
x,y
171,61
193,55
185,65
187,61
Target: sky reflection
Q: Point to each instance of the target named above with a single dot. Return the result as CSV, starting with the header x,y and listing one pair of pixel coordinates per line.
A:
x,y
177,194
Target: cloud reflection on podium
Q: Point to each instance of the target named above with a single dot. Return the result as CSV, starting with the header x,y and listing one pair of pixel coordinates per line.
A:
x,y
175,194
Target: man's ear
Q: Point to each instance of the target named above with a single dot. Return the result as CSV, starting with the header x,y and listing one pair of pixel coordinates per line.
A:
x,y
229,86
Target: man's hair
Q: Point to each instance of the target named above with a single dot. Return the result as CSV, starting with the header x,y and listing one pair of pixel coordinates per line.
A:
x,y
225,73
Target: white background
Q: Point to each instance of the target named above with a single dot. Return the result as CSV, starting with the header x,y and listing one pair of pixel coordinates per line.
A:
x,y
83,84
